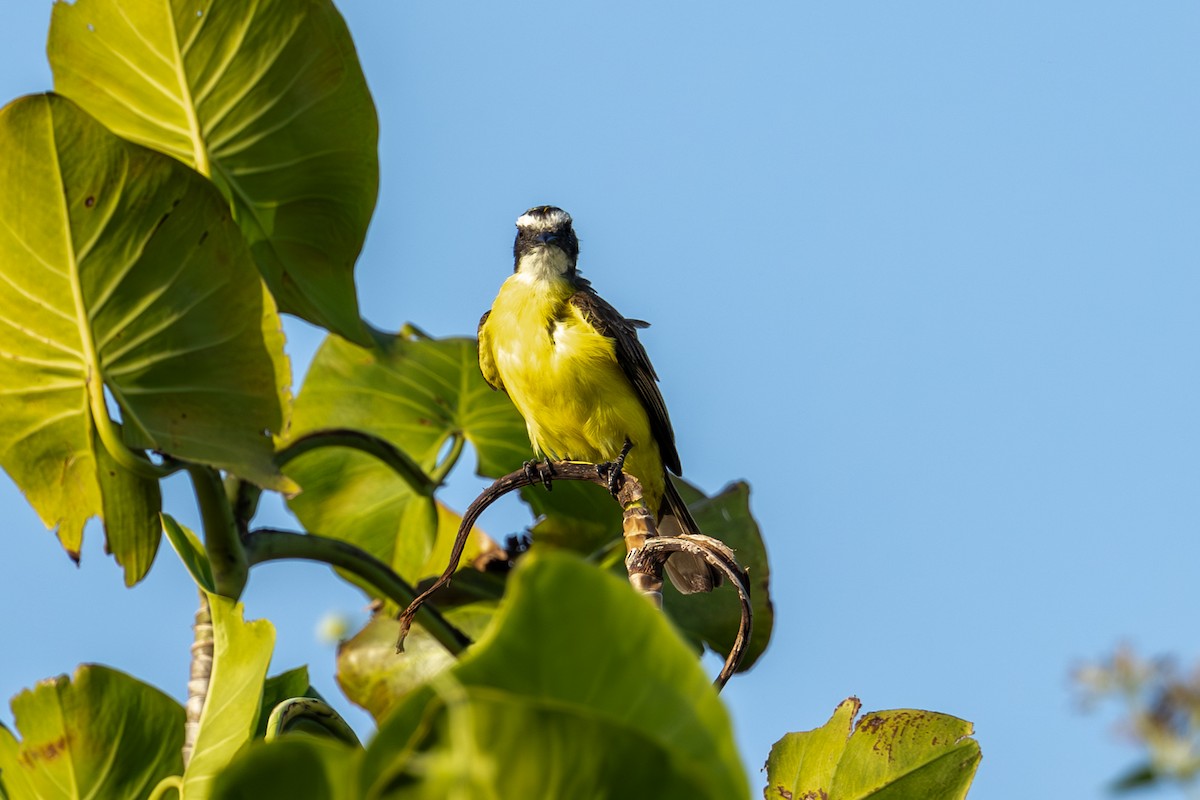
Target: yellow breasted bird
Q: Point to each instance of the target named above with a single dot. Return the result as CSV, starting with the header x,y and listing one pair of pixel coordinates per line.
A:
x,y
576,371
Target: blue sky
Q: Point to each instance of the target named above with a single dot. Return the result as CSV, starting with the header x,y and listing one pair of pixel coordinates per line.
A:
x,y
924,274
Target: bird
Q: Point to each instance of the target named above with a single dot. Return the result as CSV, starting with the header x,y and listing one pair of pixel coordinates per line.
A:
x,y
575,370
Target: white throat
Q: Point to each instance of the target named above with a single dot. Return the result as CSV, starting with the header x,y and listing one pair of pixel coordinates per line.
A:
x,y
543,264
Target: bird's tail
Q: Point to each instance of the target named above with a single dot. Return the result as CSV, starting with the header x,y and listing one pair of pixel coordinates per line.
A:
x,y
689,572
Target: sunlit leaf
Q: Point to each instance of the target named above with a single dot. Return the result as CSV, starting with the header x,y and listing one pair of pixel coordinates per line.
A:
x,y
241,653
266,98
122,266
887,755
98,734
580,688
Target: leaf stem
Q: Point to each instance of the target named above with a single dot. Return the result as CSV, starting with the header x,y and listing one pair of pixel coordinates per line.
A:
x,y
110,436
400,462
165,785
438,476
270,544
226,555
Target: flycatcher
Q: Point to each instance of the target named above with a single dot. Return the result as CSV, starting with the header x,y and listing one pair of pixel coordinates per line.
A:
x,y
576,371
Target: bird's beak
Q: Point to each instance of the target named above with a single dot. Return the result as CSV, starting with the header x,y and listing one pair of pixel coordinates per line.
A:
x,y
547,238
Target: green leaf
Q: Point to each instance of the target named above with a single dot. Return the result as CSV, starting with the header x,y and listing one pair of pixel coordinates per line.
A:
x,y
556,753
713,618
191,552
102,734
577,516
890,755
131,504
574,663
241,653
418,394
296,766
122,271
267,99
376,678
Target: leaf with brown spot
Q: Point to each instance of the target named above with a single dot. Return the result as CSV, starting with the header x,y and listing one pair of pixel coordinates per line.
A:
x,y
98,734
888,755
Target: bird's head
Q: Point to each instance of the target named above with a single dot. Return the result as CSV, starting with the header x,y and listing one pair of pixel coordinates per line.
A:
x,y
546,244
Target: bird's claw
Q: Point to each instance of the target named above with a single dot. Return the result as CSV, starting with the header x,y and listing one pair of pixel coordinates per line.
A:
x,y
540,471
614,471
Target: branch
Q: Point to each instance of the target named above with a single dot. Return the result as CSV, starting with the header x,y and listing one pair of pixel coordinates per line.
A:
x,y
269,544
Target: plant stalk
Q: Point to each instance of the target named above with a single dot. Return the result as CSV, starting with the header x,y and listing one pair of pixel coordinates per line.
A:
x,y
226,555
199,677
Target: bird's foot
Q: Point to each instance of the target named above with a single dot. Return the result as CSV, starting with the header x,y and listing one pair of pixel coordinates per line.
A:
x,y
614,471
540,471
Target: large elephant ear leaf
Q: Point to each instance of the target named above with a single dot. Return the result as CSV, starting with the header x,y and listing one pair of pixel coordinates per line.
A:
x,y
268,100
122,271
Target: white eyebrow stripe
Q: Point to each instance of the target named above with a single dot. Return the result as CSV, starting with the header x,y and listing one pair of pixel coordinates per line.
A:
x,y
554,219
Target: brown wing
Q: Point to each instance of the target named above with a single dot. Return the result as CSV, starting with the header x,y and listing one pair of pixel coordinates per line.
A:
x,y
634,361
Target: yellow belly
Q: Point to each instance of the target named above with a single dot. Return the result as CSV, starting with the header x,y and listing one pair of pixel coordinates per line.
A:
x,y
564,378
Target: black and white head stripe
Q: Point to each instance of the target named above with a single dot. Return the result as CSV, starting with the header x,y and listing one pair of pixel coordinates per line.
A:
x,y
543,218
